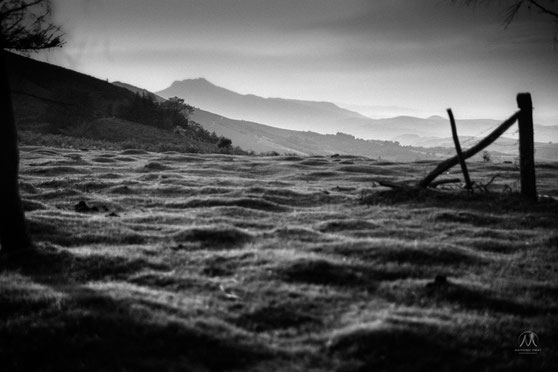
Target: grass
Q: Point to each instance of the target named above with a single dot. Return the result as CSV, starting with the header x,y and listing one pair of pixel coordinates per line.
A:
x,y
219,262
118,134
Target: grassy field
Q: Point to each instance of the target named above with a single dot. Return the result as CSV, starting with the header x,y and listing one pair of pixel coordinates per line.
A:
x,y
186,262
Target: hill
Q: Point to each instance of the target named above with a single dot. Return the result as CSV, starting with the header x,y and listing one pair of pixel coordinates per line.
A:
x,y
260,138
140,91
505,148
438,127
62,104
326,117
264,138
66,106
52,100
321,117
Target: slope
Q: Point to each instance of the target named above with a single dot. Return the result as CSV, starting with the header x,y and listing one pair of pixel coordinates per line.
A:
x,y
325,117
54,101
322,117
261,138
264,138
140,91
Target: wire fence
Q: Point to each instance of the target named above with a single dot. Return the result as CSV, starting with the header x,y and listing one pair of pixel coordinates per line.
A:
x,y
473,140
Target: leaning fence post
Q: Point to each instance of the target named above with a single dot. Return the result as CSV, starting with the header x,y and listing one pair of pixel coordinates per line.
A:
x,y
458,151
448,163
526,147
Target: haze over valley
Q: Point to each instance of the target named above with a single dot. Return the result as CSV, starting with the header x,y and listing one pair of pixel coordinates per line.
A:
x,y
328,118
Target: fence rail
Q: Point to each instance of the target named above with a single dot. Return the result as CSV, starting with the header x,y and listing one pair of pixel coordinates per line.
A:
x,y
524,117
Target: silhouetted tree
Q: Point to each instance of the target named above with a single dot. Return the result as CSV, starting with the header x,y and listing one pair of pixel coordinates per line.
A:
x,y
24,26
224,143
546,8
166,115
178,111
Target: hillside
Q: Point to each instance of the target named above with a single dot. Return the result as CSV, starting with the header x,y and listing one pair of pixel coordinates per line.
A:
x,y
65,104
48,97
57,101
172,262
438,127
321,117
263,138
140,91
260,138
325,117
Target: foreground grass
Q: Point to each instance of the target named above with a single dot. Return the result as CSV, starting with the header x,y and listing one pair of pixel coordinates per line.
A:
x,y
214,262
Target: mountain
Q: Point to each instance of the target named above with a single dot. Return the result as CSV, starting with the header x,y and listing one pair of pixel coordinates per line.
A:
x,y
260,138
437,126
327,118
380,111
505,147
52,100
321,117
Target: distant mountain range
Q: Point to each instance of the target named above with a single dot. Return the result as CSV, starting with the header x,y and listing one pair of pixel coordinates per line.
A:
x,y
51,99
326,117
321,117
263,138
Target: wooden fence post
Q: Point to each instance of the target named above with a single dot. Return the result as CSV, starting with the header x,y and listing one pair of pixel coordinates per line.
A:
x,y
526,147
448,163
459,152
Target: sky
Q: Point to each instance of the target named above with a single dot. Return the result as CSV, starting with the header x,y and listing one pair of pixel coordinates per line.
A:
x,y
421,56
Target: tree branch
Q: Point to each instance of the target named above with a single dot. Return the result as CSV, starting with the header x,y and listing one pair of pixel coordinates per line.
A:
x,y
24,5
544,9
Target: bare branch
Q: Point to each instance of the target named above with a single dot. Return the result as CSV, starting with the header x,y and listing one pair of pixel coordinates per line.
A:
x,y
20,7
544,9
25,25
511,12
512,9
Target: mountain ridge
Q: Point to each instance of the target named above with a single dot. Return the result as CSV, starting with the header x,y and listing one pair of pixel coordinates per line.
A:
x,y
262,138
325,117
76,104
322,117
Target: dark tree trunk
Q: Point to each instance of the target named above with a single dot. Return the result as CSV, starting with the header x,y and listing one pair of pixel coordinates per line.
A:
x,y
14,236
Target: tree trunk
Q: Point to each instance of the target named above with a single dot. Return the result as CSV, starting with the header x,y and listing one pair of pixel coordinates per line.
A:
x,y
14,236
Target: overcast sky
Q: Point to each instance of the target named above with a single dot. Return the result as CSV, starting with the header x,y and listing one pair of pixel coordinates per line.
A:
x,y
426,55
